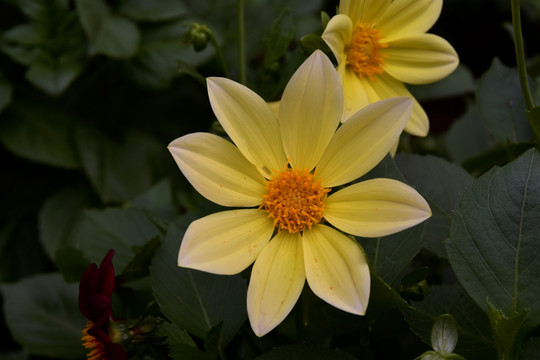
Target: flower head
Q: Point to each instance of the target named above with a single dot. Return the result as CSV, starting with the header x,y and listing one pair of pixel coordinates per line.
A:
x,y
286,173
95,291
382,44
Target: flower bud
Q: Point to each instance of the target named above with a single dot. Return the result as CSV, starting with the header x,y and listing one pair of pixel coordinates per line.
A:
x,y
199,36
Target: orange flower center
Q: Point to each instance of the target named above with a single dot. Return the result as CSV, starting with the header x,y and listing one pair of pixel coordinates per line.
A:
x,y
95,347
363,52
295,200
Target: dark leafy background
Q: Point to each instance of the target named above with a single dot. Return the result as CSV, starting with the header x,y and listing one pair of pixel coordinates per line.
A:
x,y
91,93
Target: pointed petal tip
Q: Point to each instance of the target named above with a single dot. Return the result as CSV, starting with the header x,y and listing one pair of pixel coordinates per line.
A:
x,y
405,101
214,81
259,331
318,56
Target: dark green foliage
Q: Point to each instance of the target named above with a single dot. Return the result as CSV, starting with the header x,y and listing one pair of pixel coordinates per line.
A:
x,y
93,91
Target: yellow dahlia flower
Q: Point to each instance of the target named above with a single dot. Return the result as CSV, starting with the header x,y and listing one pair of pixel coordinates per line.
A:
x,y
284,173
381,44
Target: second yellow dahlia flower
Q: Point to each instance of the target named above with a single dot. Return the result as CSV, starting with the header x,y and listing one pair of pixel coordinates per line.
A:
x,y
382,44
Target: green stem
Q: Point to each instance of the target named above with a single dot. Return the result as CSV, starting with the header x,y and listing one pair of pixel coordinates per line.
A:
x,y
520,55
221,353
241,51
219,53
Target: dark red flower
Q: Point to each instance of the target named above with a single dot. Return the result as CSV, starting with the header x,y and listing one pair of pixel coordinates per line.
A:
x,y
95,291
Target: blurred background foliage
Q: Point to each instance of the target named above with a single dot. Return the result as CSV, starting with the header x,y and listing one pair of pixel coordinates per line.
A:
x,y
91,93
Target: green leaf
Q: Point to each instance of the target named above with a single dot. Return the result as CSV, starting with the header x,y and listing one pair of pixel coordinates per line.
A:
x,y
43,316
415,277
497,156
53,75
71,263
16,261
119,169
110,34
5,92
183,351
194,300
117,37
305,351
312,42
276,44
387,168
35,9
40,133
313,319
473,325
24,34
175,335
468,136
124,230
155,64
158,200
382,298
153,10
501,104
505,329
52,45
181,345
59,216
530,349
389,255
14,355
137,268
493,246
442,184
460,82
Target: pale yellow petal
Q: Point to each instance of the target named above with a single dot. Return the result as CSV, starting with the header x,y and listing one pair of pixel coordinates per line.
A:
x,y
364,11
418,124
276,282
336,269
218,170
363,141
310,111
408,17
387,87
376,207
250,123
394,148
356,92
226,242
274,106
419,59
337,36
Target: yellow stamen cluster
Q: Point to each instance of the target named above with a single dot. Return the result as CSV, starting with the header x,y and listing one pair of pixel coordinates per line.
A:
x,y
95,347
363,55
295,200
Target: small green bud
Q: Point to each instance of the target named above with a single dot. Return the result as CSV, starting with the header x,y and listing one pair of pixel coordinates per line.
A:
x,y
118,331
199,36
